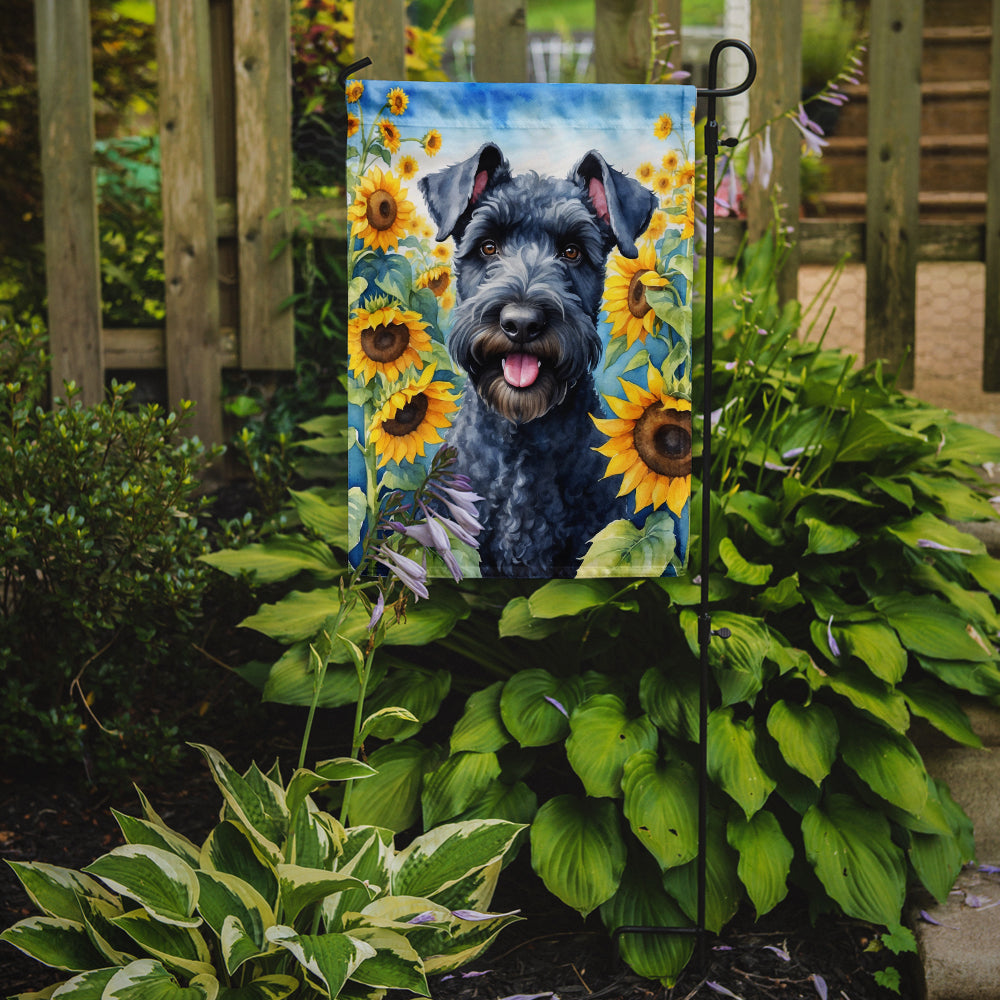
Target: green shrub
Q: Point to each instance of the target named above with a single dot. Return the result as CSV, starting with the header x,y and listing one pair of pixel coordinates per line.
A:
x,y
279,900
101,584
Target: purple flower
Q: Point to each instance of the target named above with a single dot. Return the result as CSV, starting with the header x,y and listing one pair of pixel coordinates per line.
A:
x,y
760,164
719,988
811,132
558,705
377,612
820,983
831,642
427,917
927,543
475,915
410,573
780,952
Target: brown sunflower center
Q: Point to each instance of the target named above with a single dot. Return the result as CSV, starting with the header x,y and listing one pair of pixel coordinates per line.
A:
x,y
408,418
637,304
439,283
381,210
386,342
663,440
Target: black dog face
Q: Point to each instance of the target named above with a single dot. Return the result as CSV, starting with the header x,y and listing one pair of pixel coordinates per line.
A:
x,y
530,268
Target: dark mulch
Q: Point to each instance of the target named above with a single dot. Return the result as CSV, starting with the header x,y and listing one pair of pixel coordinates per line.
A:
x,y
551,952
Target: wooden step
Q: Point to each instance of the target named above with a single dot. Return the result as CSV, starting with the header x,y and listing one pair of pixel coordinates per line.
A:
x,y
945,12
956,53
947,107
947,162
958,206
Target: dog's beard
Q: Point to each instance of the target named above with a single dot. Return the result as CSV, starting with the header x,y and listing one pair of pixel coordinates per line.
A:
x,y
522,382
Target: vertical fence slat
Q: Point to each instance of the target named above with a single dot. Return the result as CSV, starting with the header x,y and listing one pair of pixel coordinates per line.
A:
x,y
501,41
776,34
380,34
622,40
893,183
261,30
668,12
991,333
190,253
72,256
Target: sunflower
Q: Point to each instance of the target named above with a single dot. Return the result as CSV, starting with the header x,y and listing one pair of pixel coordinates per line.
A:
x,y
663,183
436,279
432,142
407,167
645,172
685,218
671,161
353,91
663,127
388,340
410,419
630,314
381,215
397,100
657,226
649,444
353,123
442,252
390,135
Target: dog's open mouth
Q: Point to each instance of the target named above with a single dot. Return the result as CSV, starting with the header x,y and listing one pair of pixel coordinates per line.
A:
x,y
521,370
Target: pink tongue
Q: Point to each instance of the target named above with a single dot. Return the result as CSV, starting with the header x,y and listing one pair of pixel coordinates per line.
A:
x,y
520,370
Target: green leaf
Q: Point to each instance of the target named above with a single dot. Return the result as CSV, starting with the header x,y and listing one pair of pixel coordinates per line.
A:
x,y
850,848
738,661
577,850
181,948
866,692
671,701
56,891
163,884
330,959
517,620
386,722
224,897
230,849
301,887
765,858
828,539
147,979
276,987
941,709
86,986
932,628
481,727
732,760
622,549
395,964
783,595
279,558
928,528
417,690
456,784
738,569
54,941
391,798
527,711
516,803
602,738
869,436
304,782
559,598
141,831
438,859
807,736
976,678
661,799
760,512
888,763
640,901
876,646
327,520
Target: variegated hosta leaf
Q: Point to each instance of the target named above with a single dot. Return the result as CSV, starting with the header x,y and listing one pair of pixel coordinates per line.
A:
x,y
476,890
732,760
315,838
850,847
602,738
395,964
481,727
256,801
535,706
329,959
141,831
467,940
301,887
56,891
661,799
367,853
86,986
441,857
456,784
642,902
116,947
177,947
578,851
158,880
149,980
225,897
304,782
807,736
765,858
54,941
230,849
275,987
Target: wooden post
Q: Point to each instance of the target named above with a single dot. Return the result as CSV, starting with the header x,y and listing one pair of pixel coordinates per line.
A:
x,y
893,183
261,57
380,34
622,40
501,41
668,14
190,253
776,34
991,333
72,255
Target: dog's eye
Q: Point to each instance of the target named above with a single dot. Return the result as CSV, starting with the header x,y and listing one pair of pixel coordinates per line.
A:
x,y
571,252
489,248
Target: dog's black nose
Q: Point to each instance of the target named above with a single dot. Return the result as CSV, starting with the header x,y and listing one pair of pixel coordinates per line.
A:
x,y
521,323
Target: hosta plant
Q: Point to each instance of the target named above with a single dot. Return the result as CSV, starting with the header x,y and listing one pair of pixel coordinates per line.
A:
x,y
279,900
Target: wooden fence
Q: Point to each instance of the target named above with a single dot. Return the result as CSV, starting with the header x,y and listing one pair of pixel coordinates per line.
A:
x,y
226,162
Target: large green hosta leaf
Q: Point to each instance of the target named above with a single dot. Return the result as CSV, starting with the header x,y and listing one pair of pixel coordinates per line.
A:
x,y
415,689
807,736
765,858
876,645
661,806
391,798
622,549
738,661
732,760
671,700
578,851
850,848
940,707
456,784
641,901
535,706
279,558
932,628
559,598
481,728
601,739
888,763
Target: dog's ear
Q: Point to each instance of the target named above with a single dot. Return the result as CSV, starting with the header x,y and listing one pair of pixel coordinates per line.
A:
x,y
452,193
623,204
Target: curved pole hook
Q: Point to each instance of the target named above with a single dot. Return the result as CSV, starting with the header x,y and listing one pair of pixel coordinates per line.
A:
x,y
353,68
712,91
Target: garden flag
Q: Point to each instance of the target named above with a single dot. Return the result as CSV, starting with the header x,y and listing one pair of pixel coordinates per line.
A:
x,y
520,281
